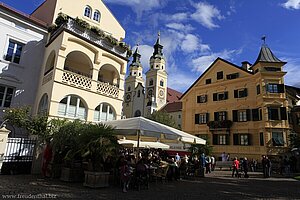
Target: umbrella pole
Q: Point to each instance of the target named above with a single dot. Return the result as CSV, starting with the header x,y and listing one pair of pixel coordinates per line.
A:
x,y
138,144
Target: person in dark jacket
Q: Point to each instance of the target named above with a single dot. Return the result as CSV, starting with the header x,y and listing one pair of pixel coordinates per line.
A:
x,y
245,167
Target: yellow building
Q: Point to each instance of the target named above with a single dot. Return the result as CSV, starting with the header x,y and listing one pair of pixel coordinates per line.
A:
x,y
240,110
85,61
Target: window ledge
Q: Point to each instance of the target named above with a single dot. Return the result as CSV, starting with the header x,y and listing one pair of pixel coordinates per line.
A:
x,y
12,64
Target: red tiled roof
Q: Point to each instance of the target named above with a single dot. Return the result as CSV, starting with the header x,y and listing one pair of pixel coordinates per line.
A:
x,y
173,107
173,95
23,15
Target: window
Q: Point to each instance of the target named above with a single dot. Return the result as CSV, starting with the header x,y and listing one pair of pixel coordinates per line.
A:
x,y
96,16
275,88
104,112
219,75
161,83
6,94
258,89
43,105
277,113
14,52
257,114
72,106
220,139
273,69
151,82
232,76
242,116
139,93
220,116
261,139
179,116
201,118
137,113
277,139
202,98
208,81
88,11
220,96
241,139
241,93
129,88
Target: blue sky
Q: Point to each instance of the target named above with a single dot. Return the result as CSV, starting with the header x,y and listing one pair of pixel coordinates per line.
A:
x,y
195,32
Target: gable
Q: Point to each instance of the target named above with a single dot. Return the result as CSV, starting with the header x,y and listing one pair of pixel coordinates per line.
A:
x,y
219,65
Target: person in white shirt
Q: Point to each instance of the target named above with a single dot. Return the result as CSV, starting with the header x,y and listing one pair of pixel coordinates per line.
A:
x,y
213,163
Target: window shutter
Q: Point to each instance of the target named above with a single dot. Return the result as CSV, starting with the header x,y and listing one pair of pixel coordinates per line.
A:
x,y
215,97
235,115
245,92
280,88
225,115
198,99
269,114
216,116
267,87
236,94
227,139
236,139
283,113
207,117
215,139
225,95
249,139
260,114
197,116
248,113
206,98
255,116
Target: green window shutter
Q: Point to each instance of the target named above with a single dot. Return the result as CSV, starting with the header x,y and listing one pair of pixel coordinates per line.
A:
x,y
215,139
236,139
260,114
225,95
235,115
216,116
255,115
207,117
267,87
245,92
197,116
198,99
283,113
280,88
248,113
236,94
249,139
225,115
215,97
227,139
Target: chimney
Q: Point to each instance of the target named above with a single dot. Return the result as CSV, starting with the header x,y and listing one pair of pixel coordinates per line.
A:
x,y
246,65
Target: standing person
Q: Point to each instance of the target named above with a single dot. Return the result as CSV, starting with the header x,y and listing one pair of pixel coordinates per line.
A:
x,y
246,167
263,163
47,157
124,173
268,167
213,163
286,164
208,164
224,157
228,157
177,158
235,167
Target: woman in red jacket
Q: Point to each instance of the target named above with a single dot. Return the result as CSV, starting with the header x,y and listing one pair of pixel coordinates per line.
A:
x,y
235,167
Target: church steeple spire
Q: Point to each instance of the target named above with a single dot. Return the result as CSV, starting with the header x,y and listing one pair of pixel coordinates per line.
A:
x,y
157,48
136,57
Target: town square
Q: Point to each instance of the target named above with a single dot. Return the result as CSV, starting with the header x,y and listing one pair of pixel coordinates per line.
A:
x,y
149,99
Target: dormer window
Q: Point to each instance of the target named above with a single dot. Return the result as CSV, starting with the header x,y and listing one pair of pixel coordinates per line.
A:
x,y
96,16
88,11
161,83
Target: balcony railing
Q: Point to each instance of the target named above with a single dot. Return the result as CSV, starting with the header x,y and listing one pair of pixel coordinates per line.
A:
x,y
92,37
219,125
86,83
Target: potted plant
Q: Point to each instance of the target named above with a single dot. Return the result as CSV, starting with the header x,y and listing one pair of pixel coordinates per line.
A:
x,y
61,19
103,144
81,23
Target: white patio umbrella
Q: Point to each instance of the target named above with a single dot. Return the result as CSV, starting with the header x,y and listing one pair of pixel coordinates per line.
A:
x,y
143,144
141,126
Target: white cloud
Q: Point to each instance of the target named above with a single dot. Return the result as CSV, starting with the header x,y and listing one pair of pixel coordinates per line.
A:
x,y
178,17
291,4
201,63
180,27
180,81
190,43
293,73
206,14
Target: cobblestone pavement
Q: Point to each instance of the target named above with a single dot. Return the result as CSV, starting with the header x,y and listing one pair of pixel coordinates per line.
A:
x,y
219,185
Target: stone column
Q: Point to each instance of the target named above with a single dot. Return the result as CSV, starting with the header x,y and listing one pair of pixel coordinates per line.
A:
x,y
3,141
